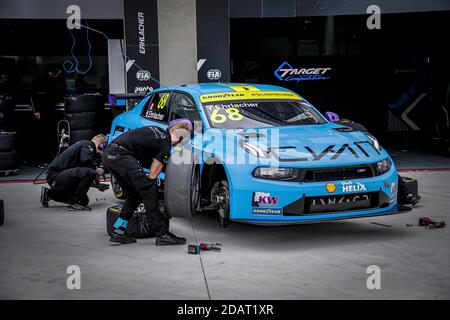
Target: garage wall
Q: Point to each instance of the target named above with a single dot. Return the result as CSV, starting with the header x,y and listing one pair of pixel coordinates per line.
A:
x,y
177,42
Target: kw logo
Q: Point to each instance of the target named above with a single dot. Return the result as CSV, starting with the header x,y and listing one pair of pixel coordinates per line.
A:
x,y
263,198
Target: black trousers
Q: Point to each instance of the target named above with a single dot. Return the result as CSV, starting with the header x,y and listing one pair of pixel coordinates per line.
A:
x,y
137,187
71,185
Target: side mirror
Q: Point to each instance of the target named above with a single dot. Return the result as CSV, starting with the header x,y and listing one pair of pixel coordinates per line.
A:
x,y
331,116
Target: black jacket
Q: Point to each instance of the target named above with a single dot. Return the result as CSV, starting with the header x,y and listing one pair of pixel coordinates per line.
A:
x,y
80,154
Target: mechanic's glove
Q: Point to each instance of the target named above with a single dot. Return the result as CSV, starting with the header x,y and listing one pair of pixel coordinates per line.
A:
x,y
99,172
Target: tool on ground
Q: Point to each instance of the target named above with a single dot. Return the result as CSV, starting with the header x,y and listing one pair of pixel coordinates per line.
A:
x,y
431,224
211,246
196,248
193,249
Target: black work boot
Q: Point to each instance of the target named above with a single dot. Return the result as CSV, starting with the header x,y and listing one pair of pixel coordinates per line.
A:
x,y
77,207
44,196
168,239
120,236
84,201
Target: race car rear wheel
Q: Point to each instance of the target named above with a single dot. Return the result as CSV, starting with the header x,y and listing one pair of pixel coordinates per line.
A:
x,y
117,189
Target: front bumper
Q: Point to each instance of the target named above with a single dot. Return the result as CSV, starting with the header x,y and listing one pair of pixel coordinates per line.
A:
x,y
270,202
396,209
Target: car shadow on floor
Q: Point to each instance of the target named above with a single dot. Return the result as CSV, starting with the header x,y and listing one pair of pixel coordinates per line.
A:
x,y
303,236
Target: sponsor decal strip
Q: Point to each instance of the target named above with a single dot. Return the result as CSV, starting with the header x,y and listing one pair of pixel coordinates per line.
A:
x,y
249,95
268,211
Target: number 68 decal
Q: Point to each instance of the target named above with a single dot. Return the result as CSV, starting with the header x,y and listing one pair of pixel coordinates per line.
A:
x,y
232,114
162,103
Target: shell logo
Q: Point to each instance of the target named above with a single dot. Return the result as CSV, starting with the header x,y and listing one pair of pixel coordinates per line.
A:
x,y
331,187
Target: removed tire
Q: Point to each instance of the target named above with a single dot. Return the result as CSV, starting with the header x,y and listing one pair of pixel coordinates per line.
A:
x,y
84,103
2,213
139,225
83,134
117,189
7,141
83,120
9,160
182,184
411,184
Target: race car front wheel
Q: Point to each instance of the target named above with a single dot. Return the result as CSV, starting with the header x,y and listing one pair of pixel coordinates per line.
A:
x,y
182,184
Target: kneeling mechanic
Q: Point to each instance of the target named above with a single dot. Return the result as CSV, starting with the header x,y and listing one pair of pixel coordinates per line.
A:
x,y
124,157
71,174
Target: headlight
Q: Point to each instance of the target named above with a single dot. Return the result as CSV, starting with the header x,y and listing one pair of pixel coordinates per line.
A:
x,y
383,166
273,173
375,142
254,150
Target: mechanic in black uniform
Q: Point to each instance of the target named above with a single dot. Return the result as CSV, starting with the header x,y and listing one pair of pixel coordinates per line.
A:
x,y
71,174
124,158
405,196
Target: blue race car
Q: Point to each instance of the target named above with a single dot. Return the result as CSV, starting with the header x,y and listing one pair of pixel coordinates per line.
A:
x,y
262,154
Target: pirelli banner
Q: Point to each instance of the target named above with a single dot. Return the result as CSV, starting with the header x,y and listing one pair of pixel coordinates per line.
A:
x,y
141,41
213,40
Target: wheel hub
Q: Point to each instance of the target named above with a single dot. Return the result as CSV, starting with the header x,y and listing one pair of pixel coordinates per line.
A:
x,y
220,198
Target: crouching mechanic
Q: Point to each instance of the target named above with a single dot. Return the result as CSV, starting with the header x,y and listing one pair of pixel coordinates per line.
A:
x,y
124,158
71,174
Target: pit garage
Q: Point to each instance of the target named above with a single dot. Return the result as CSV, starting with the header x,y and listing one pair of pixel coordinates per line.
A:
x,y
311,125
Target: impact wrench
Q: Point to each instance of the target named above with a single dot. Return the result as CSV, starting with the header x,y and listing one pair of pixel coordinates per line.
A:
x,y
430,224
195,249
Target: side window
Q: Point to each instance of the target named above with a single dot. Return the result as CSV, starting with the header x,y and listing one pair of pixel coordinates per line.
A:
x,y
157,107
182,106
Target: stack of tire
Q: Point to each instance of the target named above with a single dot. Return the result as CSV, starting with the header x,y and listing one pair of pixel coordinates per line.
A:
x,y
9,161
83,113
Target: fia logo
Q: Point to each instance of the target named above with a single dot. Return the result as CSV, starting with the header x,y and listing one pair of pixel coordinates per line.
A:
x,y
214,74
143,75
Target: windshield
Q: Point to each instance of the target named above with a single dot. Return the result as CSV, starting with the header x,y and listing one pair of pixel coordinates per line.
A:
x,y
260,114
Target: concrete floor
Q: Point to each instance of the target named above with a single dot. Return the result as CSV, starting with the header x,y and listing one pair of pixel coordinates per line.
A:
x,y
319,261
